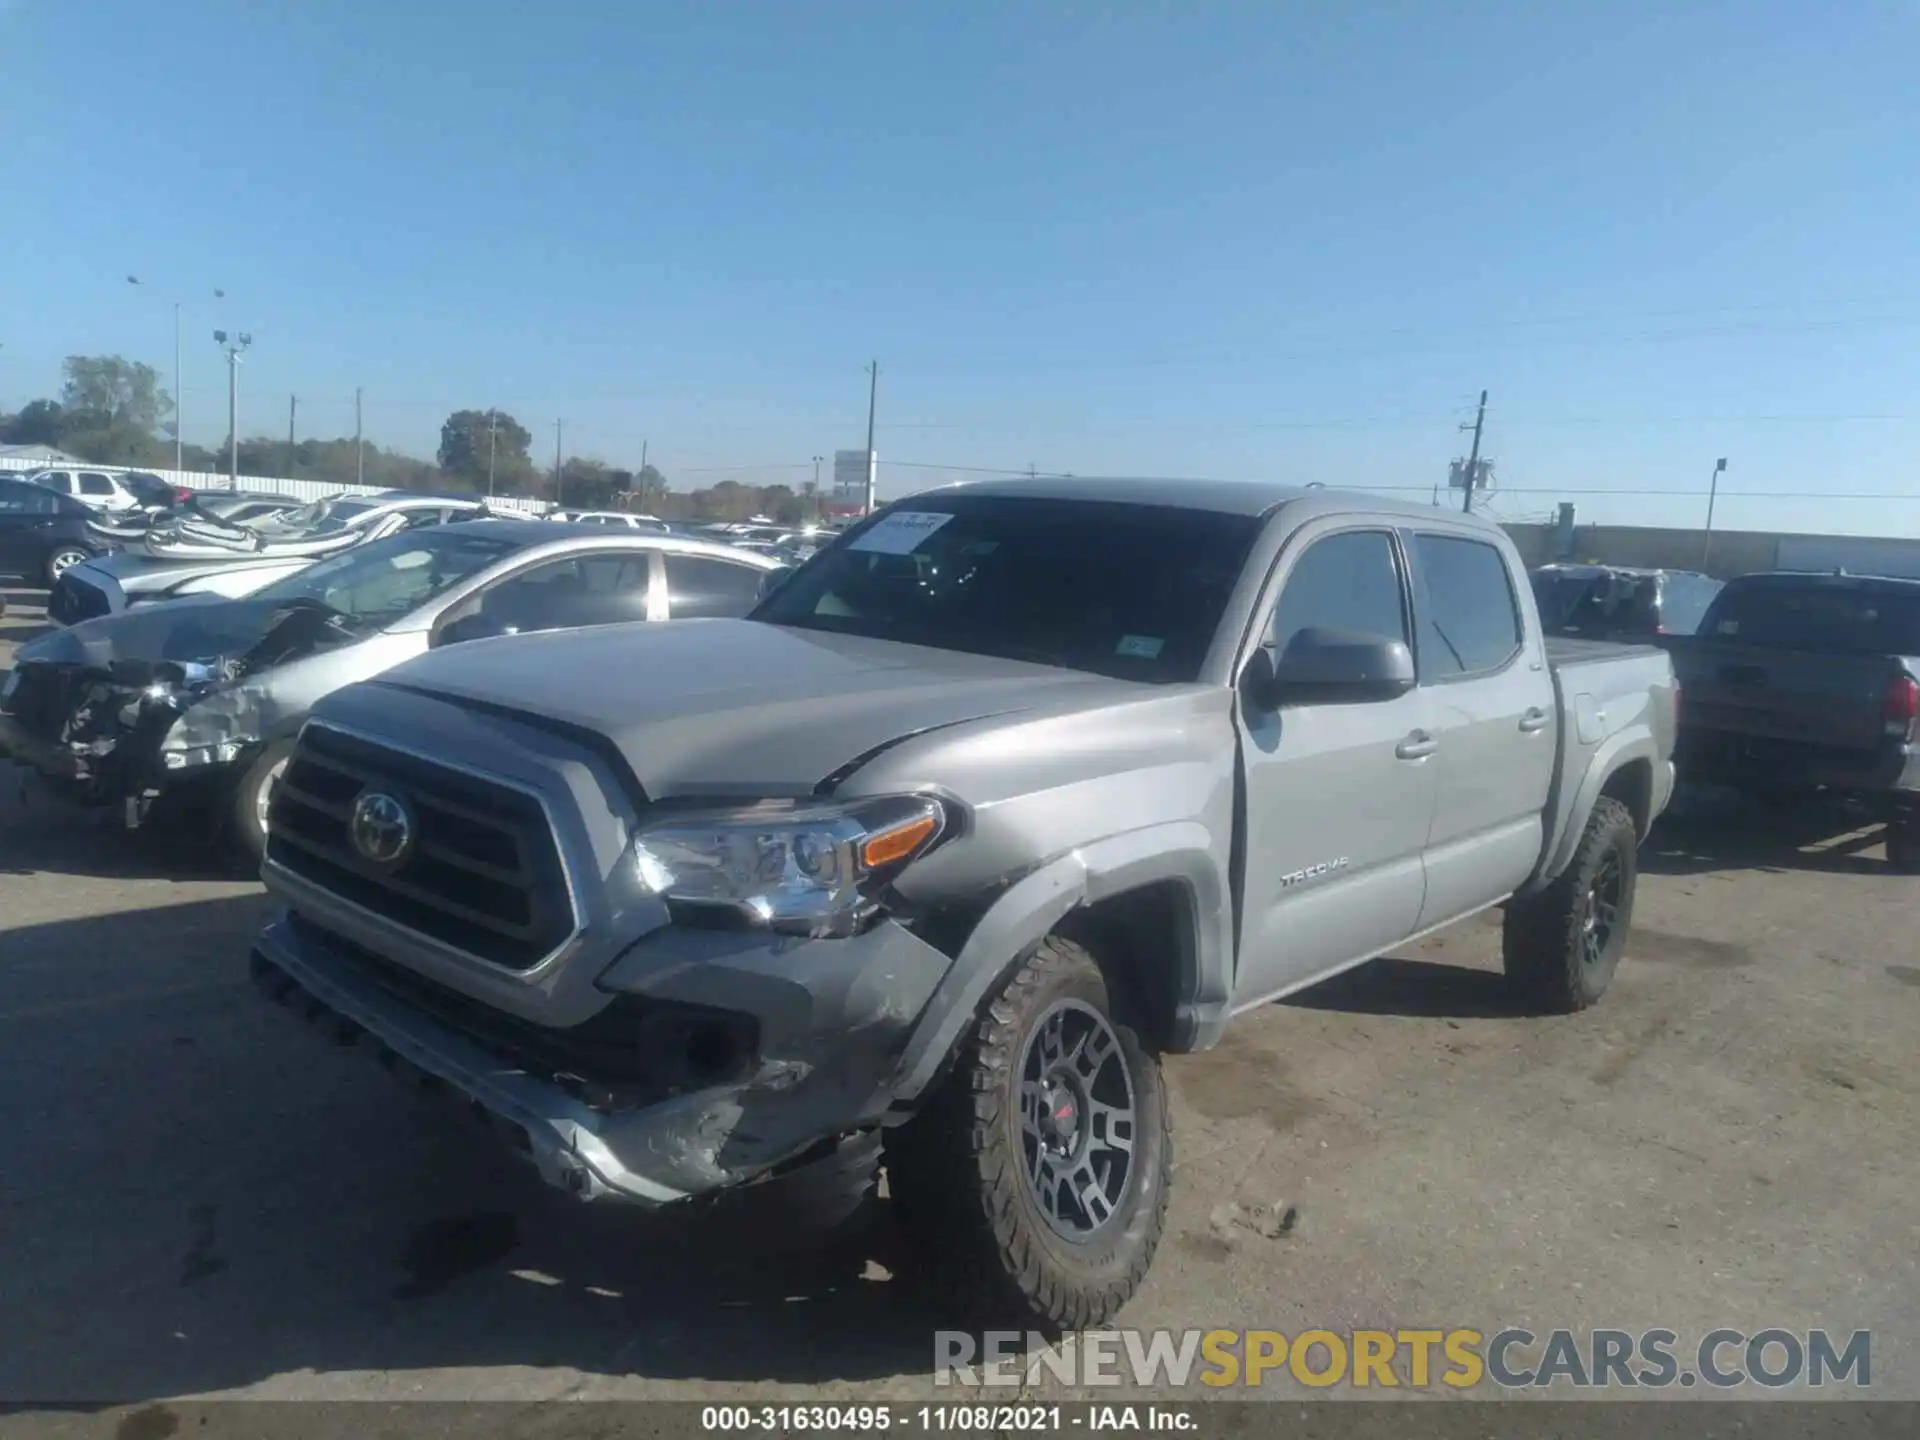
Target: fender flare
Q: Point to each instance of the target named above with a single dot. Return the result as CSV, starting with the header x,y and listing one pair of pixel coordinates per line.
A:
x,y
1614,753
1182,852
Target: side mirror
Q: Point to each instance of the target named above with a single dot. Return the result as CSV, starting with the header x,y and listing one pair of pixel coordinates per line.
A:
x,y
1329,667
467,627
774,579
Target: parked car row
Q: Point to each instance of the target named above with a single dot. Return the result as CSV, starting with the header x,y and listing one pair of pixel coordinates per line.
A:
x,y
194,703
1795,683
213,553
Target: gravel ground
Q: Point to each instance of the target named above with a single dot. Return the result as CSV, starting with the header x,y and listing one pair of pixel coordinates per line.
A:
x,y
203,1196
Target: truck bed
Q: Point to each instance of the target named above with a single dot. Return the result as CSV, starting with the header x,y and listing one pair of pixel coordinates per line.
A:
x,y
1563,652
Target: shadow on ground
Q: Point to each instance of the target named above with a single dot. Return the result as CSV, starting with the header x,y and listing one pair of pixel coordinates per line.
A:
x,y
41,834
1709,829
219,1196
1425,989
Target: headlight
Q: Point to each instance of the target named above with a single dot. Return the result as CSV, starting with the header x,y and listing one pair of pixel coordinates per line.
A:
x,y
214,730
792,866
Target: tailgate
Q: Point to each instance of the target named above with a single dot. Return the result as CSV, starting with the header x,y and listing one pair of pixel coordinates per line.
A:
x,y
1831,701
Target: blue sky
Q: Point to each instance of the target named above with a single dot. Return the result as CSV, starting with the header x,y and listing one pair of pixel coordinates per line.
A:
x,y
1256,239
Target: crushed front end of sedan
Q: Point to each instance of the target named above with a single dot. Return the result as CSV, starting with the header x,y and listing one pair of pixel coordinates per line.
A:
x,y
114,712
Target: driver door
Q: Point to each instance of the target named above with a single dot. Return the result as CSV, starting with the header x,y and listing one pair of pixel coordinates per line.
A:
x,y
1339,796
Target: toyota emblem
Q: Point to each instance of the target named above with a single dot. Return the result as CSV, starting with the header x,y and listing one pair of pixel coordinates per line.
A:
x,y
381,828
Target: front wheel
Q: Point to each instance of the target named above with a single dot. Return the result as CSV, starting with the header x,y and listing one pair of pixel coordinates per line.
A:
x,y
1562,946
253,796
62,559
1035,1181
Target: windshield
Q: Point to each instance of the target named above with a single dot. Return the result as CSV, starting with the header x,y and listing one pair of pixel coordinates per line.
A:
x,y
1824,616
1133,591
377,583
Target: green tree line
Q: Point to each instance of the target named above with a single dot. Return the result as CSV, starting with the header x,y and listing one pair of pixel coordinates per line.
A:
x,y
113,411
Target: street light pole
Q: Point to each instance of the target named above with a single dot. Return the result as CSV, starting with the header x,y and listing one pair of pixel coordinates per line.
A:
x,y
233,348
873,400
493,425
178,464
1713,493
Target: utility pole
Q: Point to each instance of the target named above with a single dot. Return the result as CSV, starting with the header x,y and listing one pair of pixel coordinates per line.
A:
x,y
233,347
1713,493
493,431
293,404
178,464
359,442
873,400
1473,460
556,461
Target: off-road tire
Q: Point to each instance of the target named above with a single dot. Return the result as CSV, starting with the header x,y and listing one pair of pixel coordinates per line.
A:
x,y
60,559
1543,940
1903,846
957,1172
244,824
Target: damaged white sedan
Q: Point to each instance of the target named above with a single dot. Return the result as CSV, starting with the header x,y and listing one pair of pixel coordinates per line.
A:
x,y
194,705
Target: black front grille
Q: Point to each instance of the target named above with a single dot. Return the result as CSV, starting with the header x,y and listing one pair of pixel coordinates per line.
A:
x,y
483,875
73,600
631,1052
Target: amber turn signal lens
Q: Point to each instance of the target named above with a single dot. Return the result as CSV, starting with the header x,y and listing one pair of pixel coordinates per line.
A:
x,y
899,842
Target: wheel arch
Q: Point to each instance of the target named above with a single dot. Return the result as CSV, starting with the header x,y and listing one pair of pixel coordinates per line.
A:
x,y
1152,905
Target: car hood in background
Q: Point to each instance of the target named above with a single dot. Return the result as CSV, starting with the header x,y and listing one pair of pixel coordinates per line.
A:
x,y
191,630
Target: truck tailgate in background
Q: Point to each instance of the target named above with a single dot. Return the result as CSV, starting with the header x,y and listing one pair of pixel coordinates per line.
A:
x,y
1835,702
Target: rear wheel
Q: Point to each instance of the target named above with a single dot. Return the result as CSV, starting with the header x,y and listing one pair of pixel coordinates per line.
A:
x,y
63,558
1035,1182
1562,946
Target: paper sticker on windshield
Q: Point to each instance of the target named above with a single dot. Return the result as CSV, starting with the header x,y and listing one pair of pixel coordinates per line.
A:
x,y
1140,647
900,533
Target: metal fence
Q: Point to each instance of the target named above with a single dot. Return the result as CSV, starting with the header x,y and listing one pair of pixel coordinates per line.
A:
x,y
303,490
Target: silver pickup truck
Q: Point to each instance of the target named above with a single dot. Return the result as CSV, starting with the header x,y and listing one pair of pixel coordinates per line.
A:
x,y
1009,790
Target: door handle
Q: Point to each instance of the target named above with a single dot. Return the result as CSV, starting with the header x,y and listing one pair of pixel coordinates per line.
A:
x,y
1416,746
1534,719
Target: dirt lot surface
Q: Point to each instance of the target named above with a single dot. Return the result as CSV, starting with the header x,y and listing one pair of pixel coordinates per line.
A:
x,y
204,1195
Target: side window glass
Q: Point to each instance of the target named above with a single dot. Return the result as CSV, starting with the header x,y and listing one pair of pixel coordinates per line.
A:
x,y
699,588
91,484
1470,622
1348,582
598,590
15,499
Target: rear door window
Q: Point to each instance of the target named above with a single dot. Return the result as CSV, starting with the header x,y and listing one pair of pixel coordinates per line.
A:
x,y
95,484
701,588
1469,620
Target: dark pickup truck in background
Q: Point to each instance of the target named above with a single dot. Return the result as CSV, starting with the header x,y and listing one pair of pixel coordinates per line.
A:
x,y
1797,683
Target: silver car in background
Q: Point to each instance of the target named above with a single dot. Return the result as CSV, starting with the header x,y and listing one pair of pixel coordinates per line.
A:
x,y
199,700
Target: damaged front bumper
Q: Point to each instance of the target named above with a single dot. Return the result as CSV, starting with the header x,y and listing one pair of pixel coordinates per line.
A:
x,y
102,740
816,1029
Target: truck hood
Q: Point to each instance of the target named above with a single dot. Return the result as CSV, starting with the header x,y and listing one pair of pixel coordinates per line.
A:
x,y
733,707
